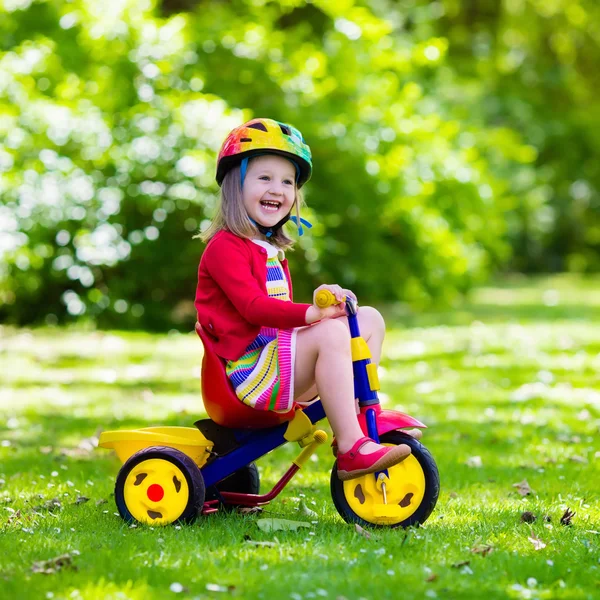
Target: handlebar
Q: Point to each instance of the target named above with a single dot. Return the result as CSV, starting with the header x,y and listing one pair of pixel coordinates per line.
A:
x,y
325,298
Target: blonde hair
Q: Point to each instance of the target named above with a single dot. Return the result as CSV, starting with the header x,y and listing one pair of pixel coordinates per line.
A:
x,y
232,216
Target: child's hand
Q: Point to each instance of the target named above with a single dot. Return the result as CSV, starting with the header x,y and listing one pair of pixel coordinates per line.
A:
x,y
315,313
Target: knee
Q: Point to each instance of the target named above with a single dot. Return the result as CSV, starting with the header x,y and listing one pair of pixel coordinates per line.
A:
x,y
334,335
371,320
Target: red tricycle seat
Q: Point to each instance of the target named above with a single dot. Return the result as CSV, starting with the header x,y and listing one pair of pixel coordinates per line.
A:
x,y
220,401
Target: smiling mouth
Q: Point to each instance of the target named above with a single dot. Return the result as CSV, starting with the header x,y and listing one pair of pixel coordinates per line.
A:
x,y
270,205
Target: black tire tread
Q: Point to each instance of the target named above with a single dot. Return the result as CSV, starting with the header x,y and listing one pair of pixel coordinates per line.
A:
x,y
189,468
432,485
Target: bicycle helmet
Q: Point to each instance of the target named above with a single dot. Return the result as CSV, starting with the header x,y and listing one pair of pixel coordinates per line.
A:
x,y
265,136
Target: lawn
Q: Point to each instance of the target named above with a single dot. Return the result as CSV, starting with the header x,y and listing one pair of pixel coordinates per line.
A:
x,y
509,384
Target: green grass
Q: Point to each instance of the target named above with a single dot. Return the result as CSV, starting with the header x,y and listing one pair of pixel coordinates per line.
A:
x,y
512,377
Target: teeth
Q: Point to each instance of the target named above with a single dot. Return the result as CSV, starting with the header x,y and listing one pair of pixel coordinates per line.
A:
x,y
271,206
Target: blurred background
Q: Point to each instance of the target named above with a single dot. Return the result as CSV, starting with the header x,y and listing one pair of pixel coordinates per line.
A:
x,y
453,141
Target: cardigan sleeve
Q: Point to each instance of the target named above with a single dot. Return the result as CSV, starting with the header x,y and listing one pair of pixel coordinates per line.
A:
x,y
227,261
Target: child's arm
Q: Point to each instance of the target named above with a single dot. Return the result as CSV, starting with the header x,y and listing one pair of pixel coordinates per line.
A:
x,y
228,263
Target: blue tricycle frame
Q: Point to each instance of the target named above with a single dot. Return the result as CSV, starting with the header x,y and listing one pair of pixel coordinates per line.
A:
x,y
175,474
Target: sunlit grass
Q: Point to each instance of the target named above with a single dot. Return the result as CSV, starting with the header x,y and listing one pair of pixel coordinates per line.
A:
x,y
516,384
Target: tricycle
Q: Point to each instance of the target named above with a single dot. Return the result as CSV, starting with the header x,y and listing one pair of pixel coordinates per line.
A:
x,y
174,474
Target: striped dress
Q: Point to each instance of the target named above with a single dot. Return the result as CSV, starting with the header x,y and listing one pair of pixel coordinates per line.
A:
x,y
263,377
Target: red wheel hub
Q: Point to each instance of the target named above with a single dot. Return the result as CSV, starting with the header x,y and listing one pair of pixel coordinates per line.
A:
x,y
155,492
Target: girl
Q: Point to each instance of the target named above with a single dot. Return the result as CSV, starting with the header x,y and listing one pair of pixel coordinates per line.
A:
x,y
244,296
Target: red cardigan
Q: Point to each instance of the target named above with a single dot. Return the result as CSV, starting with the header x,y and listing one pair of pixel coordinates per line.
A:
x,y
231,297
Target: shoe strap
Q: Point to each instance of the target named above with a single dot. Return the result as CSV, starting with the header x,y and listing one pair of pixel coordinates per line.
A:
x,y
357,446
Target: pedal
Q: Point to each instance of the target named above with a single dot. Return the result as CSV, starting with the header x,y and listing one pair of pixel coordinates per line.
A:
x,y
319,437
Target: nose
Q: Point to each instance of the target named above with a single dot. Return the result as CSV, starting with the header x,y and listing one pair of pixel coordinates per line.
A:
x,y
276,188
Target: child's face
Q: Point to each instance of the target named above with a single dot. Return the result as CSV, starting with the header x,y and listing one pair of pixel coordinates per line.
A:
x,y
269,189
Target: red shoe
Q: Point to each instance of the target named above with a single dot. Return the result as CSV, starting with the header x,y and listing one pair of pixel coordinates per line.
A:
x,y
416,434
353,464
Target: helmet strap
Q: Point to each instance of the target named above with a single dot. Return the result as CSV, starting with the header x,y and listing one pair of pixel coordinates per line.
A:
x,y
268,232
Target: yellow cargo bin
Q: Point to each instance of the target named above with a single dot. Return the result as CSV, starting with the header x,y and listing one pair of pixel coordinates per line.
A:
x,y
188,440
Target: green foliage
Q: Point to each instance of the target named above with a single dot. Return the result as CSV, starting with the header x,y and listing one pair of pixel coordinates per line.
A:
x,y
436,150
536,68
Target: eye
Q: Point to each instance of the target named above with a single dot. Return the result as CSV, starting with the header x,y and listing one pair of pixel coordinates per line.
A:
x,y
288,182
265,177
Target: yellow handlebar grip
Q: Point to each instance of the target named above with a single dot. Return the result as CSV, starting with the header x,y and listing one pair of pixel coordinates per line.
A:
x,y
325,298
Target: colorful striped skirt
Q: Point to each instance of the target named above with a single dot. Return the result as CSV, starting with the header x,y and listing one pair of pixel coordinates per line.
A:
x,y
263,377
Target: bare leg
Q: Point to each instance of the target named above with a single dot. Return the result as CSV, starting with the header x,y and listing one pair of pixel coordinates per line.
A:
x,y
323,357
372,329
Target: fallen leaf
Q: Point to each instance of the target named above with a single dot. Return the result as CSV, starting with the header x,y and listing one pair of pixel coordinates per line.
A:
x,y
256,543
51,506
46,449
483,549
528,517
101,501
529,465
362,531
431,578
269,525
567,517
15,516
215,587
81,500
523,487
474,462
458,565
250,510
84,448
307,511
48,567
453,495
537,543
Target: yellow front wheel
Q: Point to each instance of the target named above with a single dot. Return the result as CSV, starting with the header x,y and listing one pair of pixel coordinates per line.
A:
x,y
159,486
411,491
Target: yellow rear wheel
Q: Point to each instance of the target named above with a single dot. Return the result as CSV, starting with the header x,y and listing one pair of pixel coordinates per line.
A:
x,y
159,486
411,491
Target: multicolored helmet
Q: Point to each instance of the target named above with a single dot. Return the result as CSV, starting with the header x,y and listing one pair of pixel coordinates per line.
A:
x,y
262,136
